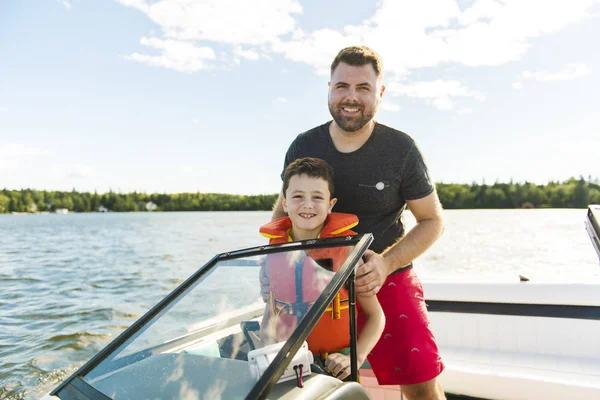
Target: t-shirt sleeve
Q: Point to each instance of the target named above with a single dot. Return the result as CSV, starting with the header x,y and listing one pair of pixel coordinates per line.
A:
x,y
290,156
416,182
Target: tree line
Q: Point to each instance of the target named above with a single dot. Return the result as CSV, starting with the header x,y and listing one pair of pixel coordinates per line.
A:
x,y
573,193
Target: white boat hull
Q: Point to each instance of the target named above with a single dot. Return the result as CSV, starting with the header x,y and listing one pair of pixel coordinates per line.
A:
x,y
518,341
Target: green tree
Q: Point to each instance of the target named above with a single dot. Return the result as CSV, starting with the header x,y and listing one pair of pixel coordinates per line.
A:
x,y
581,194
4,203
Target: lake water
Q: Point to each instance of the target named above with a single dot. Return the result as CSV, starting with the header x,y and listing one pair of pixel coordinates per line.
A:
x,y
71,283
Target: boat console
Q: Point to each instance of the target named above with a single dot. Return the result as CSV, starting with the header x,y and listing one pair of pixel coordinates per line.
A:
x,y
592,225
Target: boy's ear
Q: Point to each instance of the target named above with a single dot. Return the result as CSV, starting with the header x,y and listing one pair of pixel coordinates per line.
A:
x,y
331,204
283,203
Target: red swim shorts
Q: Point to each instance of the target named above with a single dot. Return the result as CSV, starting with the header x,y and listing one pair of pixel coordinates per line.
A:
x,y
406,353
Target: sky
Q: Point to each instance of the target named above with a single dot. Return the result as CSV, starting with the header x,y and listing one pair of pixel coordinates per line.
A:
x,y
176,96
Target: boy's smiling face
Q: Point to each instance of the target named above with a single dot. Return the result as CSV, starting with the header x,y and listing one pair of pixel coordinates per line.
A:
x,y
308,202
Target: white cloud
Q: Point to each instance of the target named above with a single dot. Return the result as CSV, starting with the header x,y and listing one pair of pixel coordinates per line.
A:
x,y
389,106
281,99
408,35
482,10
139,4
195,121
572,71
222,22
440,92
178,55
428,33
3,109
464,110
65,3
316,49
443,103
494,33
247,54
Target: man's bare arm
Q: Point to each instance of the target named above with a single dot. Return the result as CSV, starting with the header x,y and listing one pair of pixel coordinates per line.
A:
x,y
429,227
278,210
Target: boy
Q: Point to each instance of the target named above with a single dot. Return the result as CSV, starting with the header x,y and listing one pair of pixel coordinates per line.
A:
x,y
307,199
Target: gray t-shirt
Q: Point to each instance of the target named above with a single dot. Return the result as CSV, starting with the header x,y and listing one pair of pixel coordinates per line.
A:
x,y
372,182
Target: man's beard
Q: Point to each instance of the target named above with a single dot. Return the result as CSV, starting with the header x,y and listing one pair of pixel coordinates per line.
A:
x,y
351,124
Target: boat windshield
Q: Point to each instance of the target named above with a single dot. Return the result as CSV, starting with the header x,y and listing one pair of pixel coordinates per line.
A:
x,y
195,342
592,224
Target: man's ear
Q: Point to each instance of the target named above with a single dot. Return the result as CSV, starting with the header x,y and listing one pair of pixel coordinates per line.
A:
x,y
382,90
331,204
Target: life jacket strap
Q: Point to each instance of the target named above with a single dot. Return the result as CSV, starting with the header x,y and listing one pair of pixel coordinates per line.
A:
x,y
337,306
279,307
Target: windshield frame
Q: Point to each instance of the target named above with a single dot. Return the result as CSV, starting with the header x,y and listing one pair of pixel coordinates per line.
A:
x,y
76,382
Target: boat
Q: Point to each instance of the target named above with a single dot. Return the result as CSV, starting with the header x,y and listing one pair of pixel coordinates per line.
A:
x,y
513,341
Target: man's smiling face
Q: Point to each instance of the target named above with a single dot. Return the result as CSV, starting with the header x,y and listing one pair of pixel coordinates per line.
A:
x,y
354,96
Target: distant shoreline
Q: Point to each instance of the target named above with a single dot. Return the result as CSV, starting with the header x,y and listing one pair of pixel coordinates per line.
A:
x,y
183,211
573,193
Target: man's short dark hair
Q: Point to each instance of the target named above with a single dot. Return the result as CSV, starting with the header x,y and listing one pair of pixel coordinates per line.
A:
x,y
358,56
312,167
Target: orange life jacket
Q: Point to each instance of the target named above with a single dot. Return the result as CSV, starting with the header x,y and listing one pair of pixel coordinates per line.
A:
x,y
288,305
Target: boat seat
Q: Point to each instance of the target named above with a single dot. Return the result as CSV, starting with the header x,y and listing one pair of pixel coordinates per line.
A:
x,y
518,357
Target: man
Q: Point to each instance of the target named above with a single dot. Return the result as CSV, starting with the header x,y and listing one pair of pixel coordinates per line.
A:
x,y
377,172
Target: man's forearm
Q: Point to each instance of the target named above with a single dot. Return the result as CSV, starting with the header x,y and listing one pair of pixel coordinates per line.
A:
x,y
415,243
278,210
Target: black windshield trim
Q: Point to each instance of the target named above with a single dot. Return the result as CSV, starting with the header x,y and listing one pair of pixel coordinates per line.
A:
x,y
79,389
201,272
291,346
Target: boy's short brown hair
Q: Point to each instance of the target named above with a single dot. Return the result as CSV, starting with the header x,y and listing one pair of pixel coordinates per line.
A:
x,y
312,167
358,56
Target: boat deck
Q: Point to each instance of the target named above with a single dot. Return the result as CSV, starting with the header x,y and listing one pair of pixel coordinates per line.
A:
x,y
376,392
